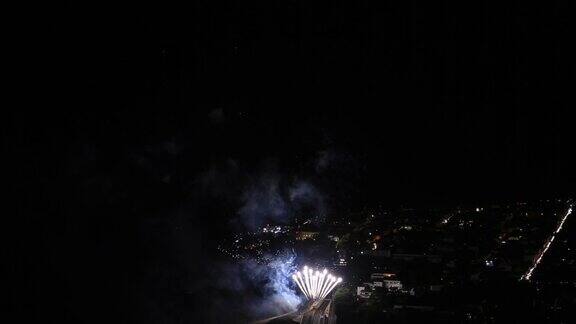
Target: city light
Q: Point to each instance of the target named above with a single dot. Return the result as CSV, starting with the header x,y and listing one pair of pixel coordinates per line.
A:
x,y
315,284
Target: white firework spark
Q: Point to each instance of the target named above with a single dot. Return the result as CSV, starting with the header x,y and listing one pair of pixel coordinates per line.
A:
x,y
315,284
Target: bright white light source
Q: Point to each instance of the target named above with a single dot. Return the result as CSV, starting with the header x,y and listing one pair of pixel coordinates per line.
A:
x,y
315,284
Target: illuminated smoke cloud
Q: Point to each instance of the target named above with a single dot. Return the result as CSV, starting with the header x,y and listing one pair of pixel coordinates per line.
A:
x,y
260,289
263,202
306,197
268,199
280,297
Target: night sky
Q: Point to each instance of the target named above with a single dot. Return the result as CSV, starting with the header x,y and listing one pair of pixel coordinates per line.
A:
x,y
138,120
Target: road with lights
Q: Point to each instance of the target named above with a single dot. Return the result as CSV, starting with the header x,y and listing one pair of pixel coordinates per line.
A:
x,y
537,261
319,313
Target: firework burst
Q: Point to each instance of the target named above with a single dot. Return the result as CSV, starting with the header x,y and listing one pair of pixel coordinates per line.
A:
x,y
315,284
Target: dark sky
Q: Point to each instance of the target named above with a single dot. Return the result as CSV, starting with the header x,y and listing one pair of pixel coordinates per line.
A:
x,y
125,105
435,101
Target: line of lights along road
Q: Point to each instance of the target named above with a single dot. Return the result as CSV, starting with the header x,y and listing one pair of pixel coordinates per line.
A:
x,y
315,284
528,274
